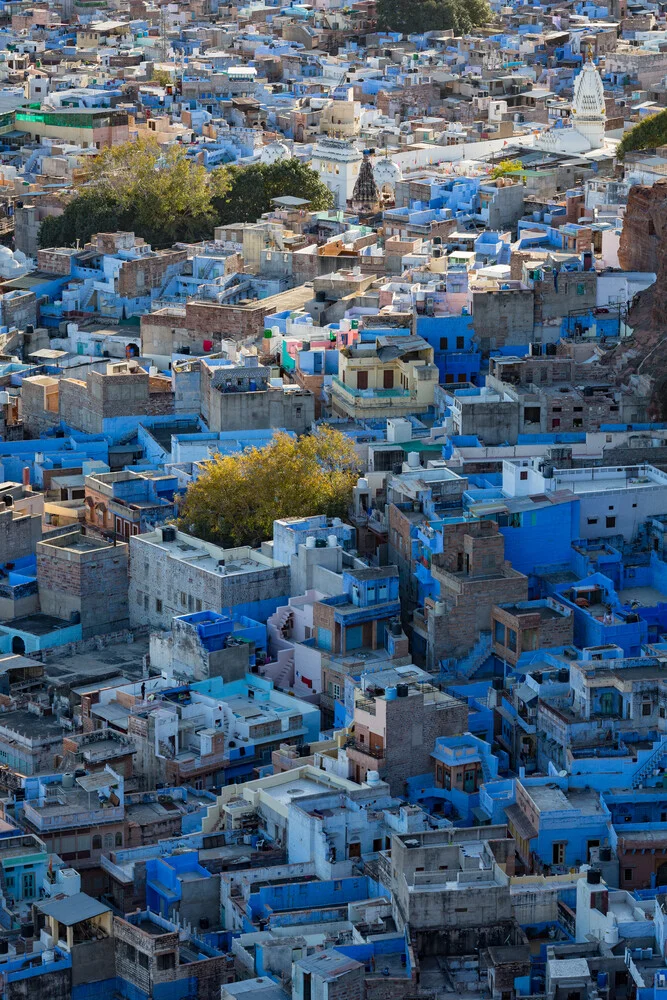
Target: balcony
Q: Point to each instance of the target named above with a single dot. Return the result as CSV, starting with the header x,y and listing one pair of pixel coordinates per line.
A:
x,y
376,753
370,393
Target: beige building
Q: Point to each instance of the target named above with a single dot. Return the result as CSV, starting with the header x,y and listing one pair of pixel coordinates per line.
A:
x,y
392,377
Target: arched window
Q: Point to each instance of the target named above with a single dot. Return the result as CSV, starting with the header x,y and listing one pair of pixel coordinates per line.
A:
x,y
119,839
108,841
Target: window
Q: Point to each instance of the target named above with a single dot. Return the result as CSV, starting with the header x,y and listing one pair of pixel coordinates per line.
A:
x,y
647,708
592,520
460,343
119,839
158,606
184,599
198,605
610,522
167,961
443,343
627,874
97,842
511,639
145,602
581,289
523,475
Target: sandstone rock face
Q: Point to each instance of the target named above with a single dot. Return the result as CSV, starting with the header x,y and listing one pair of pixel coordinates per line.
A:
x,y
641,247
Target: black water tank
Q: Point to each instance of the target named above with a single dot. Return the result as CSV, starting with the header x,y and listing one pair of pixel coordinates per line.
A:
x,y
402,690
593,876
27,930
563,675
4,946
605,854
168,533
320,296
497,684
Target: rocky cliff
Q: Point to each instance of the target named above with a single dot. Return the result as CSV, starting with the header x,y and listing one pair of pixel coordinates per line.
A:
x,y
643,247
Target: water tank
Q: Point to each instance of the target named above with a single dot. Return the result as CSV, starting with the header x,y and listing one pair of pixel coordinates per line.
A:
x,y
402,690
336,522
390,694
362,484
168,533
602,980
372,778
437,253
611,935
413,460
27,930
439,608
332,541
395,627
605,854
320,296
593,876
497,684
68,780
310,542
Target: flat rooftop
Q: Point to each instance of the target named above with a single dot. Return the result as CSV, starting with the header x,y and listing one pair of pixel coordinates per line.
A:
x,y
37,624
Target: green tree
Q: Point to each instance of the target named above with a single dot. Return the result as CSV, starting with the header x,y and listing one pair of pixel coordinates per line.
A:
x,y
162,77
647,134
238,497
163,197
506,167
247,191
410,16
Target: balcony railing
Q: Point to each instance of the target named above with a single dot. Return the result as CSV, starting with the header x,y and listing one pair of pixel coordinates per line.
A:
x,y
377,753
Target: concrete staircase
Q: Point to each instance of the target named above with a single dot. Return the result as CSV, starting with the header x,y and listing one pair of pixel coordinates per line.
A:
x,y
466,666
657,759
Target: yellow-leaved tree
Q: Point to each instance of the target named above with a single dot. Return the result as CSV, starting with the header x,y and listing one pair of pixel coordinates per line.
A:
x,y
237,498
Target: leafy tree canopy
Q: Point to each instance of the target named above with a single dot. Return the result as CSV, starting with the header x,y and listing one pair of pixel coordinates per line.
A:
x,y
238,497
410,16
506,167
166,197
251,189
647,134
161,196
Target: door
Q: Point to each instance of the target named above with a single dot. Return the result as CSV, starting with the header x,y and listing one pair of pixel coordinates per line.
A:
x,y
469,780
28,885
388,378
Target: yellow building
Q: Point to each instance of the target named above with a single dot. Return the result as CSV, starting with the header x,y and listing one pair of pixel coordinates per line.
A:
x,y
392,376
